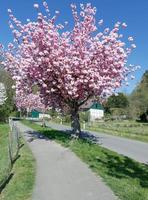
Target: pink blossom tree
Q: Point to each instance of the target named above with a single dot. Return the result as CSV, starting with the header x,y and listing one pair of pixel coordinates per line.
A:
x,y
29,102
69,67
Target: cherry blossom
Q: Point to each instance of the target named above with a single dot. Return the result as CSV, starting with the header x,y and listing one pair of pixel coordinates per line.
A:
x,y
68,67
130,39
124,25
3,96
29,102
36,5
133,46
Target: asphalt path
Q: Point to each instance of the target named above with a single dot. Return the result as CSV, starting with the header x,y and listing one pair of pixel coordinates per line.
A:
x,y
131,148
60,174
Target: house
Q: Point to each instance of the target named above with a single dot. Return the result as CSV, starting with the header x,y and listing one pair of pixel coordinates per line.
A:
x,y
96,111
39,115
35,114
94,108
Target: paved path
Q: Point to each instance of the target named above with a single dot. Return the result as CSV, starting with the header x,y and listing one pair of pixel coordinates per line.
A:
x,y
131,148
60,174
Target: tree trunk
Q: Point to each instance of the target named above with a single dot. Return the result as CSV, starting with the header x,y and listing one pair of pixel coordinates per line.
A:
x,y
20,113
75,122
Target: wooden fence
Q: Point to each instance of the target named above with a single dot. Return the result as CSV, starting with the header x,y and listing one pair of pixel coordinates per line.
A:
x,y
14,145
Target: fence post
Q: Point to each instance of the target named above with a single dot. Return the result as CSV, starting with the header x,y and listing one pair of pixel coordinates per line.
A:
x,y
17,140
13,135
84,125
10,150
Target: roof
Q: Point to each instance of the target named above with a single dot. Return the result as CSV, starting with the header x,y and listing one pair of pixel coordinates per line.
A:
x,y
91,104
97,106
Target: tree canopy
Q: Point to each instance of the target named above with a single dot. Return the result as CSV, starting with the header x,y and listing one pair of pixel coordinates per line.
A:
x,y
117,101
68,67
139,97
9,104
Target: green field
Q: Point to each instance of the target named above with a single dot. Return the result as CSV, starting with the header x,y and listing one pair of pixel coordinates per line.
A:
x,y
129,129
132,130
126,177
23,173
4,156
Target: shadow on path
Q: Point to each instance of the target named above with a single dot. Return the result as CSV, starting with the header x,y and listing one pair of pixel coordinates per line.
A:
x,y
116,166
61,135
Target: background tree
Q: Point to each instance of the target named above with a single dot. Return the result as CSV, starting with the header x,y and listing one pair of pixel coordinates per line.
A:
x,y
29,102
117,101
9,106
2,94
69,67
139,99
3,98
116,105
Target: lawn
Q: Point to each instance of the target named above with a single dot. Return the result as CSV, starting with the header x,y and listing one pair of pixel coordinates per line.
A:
x,y
4,156
23,173
129,129
126,177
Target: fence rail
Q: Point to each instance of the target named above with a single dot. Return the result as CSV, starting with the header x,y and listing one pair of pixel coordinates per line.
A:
x,y
14,144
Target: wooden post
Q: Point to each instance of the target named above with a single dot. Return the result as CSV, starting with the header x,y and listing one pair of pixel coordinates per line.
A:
x,y
10,150
84,125
61,121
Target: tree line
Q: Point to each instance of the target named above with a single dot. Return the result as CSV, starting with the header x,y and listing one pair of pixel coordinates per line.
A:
x,y
133,106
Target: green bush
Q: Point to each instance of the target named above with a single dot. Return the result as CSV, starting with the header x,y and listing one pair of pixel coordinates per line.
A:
x,y
84,116
67,118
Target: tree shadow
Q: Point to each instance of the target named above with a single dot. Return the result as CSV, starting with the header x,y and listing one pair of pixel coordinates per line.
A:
x,y
116,166
125,168
6,182
89,137
47,134
62,136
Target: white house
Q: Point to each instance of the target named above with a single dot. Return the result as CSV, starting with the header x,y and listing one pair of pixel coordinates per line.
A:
x,y
95,110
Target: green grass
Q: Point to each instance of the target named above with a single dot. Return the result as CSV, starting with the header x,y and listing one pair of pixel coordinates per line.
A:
x,y
128,129
132,130
21,184
126,177
4,156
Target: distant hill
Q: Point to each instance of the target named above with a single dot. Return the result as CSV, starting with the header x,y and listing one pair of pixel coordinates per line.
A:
x,y
139,97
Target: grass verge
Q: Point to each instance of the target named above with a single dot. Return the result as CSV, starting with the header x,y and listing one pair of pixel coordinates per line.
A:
x,y
126,177
4,156
127,129
21,184
142,138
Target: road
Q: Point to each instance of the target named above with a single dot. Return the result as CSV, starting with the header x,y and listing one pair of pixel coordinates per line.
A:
x,y
60,174
131,148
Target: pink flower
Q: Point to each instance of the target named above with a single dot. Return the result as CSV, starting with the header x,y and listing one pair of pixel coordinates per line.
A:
x,y
45,4
106,30
57,12
100,22
121,36
9,11
11,26
65,22
36,5
133,46
69,66
124,25
130,39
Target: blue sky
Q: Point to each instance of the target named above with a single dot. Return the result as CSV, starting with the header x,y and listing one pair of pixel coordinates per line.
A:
x,y
133,12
